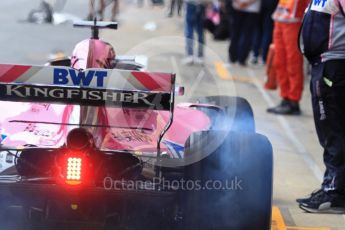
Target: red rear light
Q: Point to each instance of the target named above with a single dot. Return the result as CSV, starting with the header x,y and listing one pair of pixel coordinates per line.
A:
x,y
75,169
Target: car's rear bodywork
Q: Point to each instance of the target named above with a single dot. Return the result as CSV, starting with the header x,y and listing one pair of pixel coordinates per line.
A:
x,y
132,128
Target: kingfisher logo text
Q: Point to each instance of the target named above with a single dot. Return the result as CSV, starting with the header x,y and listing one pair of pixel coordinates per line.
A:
x,y
79,78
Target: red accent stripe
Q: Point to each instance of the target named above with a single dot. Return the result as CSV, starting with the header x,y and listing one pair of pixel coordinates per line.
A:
x,y
4,68
154,81
13,73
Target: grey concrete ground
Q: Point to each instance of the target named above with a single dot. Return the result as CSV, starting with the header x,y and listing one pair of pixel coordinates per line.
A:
x,y
297,156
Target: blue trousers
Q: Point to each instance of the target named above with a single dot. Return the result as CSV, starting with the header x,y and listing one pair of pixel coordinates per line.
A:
x,y
195,16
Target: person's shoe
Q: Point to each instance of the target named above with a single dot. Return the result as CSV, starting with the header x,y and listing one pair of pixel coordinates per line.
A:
x,y
307,199
100,15
286,107
283,103
255,60
294,108
242,64
324,202
89,17
188,60
232,61
199,61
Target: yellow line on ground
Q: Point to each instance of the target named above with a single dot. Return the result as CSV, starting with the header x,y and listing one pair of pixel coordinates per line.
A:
x,y
305,228
224,74
277,220
279,224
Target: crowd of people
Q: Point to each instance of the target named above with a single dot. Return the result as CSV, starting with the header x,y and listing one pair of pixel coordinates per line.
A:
x,y
252,26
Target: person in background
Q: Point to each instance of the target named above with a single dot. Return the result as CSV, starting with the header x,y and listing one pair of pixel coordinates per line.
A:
x,y
288,60
194,20
140,3
245,15
172,7
323,36
216,21
263,33
102,6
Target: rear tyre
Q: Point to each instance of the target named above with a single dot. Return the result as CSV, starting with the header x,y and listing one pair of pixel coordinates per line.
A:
x,y
235,179
13,218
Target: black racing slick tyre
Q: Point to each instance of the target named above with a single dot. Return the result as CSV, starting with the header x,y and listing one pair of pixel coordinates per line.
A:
x,y
230,188
13,218
238,115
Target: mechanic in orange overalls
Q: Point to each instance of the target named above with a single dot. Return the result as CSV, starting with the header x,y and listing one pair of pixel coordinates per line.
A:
x,y
288,60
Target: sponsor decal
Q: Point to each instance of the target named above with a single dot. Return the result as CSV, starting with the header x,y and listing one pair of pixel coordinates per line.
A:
x,y
176,149
85,96
325,6
32,128
79,78
2,137
319,2
131,136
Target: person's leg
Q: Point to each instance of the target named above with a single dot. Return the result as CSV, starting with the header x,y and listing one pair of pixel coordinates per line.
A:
x,y
199,26
330,120
172,7
257,38
91,10
248,27
179,7
140,3
189,24
101,9
294,62
235,35
267,31
280,60
279,63
329,116
115,10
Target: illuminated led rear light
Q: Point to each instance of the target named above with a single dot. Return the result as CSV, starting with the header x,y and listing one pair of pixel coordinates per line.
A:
x,y
74,170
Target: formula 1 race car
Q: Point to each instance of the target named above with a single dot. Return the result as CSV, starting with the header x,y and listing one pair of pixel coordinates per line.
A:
x,y
96,142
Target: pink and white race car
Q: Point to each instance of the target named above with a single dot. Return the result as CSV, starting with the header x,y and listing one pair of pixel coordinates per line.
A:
x,y
95,142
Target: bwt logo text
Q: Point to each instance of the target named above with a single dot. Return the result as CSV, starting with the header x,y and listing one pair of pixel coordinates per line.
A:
x,y
79,78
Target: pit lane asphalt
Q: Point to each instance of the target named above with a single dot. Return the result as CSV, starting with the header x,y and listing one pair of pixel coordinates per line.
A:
x,y
146,31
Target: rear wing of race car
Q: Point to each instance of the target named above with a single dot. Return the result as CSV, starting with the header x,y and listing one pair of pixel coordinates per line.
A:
x,y
91,87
